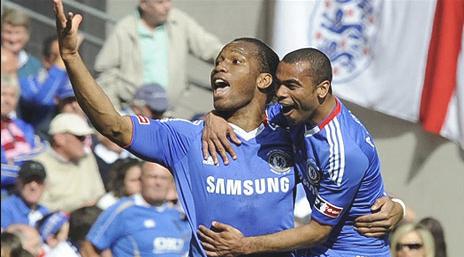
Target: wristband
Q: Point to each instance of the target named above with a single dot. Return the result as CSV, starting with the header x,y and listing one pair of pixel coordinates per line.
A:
x,y
397,200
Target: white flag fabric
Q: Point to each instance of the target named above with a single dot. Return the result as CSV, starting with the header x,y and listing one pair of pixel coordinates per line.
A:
x,y
402,58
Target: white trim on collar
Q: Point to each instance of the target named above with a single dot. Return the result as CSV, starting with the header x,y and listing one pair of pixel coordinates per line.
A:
x,y
139,201
247,135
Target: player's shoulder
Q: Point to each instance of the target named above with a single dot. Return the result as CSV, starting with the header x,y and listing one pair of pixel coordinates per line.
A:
x,y
121,206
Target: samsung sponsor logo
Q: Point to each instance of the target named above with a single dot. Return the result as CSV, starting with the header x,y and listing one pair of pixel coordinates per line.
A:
x,y
247,187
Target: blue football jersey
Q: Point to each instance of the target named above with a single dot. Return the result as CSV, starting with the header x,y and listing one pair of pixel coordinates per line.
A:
x,y
253,193
340,171
131,227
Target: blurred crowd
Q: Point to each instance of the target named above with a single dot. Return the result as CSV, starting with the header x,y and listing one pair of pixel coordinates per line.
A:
x,y
61,181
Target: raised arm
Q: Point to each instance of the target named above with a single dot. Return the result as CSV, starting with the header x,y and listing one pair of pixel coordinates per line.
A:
x,y
90,96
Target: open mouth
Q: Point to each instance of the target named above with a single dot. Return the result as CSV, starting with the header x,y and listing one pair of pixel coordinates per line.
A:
x,y
220,86
286,109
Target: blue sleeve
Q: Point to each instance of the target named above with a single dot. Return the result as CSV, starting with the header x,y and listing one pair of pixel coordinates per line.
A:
x,y
108,227
339,184
43,93
6,215
162,141
274,115
8,174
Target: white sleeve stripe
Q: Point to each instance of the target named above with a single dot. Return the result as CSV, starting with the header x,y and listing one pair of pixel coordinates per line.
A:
x,y
333,158
336,150
329,140
342,152
110,220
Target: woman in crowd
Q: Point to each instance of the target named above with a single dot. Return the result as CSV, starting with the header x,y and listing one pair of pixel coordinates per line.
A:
x,y
124,181
412,240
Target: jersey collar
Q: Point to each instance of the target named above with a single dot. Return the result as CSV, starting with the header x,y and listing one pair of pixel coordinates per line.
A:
x,y
139,201
309,131
247,135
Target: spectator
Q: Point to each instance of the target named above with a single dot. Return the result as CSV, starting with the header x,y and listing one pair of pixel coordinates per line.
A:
x,y
15,35
143,223
54,229
73,179
80,222
38,91
30,238
106,153
150,101
412,240
125,181
435,227
23,207
18,138
151,46
10,243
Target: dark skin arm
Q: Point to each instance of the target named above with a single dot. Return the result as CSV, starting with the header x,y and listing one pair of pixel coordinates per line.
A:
x,y
89,95
228,241
386,214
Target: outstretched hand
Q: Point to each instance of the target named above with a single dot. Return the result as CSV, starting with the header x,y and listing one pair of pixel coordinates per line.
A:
x,y
67,26
224,241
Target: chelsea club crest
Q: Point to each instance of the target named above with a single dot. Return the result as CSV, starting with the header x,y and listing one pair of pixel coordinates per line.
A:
x,y
314,175
279,161
345,30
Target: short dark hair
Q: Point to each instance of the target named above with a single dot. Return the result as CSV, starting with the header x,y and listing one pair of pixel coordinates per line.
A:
x,y
118,172
268,59
80,222
320,67
47,45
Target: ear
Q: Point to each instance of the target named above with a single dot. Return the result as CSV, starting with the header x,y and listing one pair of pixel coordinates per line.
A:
x,y
264,81
59,139
323,89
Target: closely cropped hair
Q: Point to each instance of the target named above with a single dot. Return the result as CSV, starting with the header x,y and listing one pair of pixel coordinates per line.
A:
x,y
10,80
320,67
16,18
118,171
268,59
425,235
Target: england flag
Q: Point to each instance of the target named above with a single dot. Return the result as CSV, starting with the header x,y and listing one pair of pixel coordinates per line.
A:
x,y
402,58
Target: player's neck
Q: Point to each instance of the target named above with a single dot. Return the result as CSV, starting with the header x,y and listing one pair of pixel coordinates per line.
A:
x,y
248,118
324,110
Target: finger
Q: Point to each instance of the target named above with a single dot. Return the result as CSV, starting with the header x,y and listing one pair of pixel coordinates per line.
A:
x,y
228,147
377,234
205,239
221,226
211,253
212,151
379,216
221,150
208,247
233,136
208,233
76,21
59,13
379,203
365,231
383,223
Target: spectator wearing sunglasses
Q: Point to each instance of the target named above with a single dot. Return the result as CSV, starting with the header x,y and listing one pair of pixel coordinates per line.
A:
x,y
412,240
73,179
